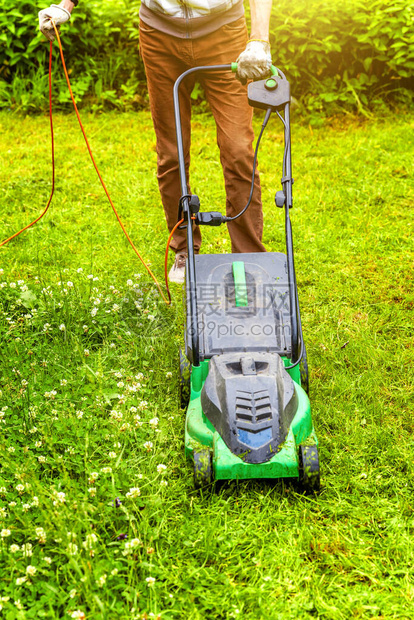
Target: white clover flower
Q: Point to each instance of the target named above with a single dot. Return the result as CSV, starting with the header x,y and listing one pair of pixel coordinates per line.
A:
x,y
62,327
78,614
168,375
41,459
12,504
90,541
133,492
112,455
86,352
133,410
148,445
130,545
31,570
114,572
92,491
79,270
11,449
143,405
106,470
3,513
20,580
12,284
161,468
163,483
151,317
47,559
150,581
14,548
154,422
19,605
79,414
115,308
112,345
60,498
35,501
120,384
41,535
90,276
69,284
94,311
72,548
63,382
20,488
26,507
101,581
72,593
51,394
93,476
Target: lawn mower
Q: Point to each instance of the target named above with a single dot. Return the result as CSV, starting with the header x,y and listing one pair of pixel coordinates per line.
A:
x,y
243,371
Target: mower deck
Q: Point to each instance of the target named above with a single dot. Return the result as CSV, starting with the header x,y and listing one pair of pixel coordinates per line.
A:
x,y
248,417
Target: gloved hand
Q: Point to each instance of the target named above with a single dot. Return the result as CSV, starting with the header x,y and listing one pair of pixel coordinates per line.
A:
x,y
255,62
59,16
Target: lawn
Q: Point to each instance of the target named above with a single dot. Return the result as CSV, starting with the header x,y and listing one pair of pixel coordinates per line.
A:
x,y
99,518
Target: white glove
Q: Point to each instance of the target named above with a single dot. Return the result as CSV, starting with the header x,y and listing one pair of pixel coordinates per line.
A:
x,y
255,62
59,16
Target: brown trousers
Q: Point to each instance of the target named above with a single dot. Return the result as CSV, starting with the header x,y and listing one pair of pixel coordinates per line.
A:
x,y
165,58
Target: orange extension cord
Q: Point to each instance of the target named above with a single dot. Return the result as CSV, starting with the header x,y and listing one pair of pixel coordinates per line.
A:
x,y
53,156
167,301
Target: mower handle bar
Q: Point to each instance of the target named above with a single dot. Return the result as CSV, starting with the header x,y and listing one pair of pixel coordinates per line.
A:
x,y
294,302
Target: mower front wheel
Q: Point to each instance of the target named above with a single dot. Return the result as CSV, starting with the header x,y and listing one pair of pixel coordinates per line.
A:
x,y
203,468
309,473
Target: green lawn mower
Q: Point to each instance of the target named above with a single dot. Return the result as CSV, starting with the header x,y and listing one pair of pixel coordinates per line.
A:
x,y
243,371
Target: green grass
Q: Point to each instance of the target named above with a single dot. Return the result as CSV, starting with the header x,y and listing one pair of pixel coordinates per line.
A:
x,y
251,551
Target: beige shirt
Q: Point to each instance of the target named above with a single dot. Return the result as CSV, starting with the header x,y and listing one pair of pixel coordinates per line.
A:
x,y
189,19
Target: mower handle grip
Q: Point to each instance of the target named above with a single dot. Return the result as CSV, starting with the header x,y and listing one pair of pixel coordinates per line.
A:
x,y
273,69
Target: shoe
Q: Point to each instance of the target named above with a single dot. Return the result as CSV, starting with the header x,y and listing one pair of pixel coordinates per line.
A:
x,y
177,271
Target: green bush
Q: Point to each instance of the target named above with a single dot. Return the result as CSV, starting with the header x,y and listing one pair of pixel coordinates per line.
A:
x,y
351,53
101,53
346,51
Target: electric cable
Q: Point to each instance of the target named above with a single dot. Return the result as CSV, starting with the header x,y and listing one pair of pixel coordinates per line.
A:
x,y
157,284
167,301
53,155
235,217
166,257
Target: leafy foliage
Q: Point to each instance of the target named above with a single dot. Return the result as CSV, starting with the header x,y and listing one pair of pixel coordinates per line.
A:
x,y
353,54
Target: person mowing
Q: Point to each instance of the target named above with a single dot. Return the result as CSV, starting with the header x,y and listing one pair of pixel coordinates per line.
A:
x,y
176,35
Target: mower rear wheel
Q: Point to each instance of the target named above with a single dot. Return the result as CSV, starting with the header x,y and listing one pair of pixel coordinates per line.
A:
x,y
304,373
185,380
309,473
203,468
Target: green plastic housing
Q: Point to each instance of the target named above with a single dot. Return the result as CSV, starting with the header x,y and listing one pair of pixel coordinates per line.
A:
x,y
200,433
